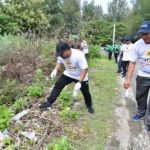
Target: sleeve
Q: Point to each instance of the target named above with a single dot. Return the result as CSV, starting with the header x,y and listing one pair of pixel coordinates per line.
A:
x,y
134,53
82,62
59,60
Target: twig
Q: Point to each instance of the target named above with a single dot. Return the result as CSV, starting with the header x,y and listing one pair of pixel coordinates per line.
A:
x,y
37,146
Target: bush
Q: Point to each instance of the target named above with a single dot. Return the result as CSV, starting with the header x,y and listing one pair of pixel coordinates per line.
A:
x,y
8,92
60,144
5,116
94,51
65,99
19,104
35,90
39,75
69,115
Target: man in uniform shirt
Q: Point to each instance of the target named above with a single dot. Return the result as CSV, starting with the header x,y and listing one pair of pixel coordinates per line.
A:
x,y
141,52
76,71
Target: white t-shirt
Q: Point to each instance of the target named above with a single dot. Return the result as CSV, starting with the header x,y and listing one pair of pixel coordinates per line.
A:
x,y
141,51
126,49
85,47
74,64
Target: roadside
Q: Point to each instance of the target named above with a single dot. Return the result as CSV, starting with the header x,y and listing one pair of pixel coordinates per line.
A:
x,y
129,135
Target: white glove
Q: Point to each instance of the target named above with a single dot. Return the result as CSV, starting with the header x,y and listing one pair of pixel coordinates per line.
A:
x,y
53,74
127,93
76,89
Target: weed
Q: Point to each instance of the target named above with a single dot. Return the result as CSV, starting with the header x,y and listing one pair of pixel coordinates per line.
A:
x,y
35,90
5,116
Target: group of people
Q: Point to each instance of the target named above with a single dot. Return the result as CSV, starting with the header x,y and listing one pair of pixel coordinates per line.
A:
x,y
121,50
77,71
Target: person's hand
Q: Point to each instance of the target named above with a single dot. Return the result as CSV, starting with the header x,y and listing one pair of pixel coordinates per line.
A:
x,y
53,74
118,58
126,84
76,89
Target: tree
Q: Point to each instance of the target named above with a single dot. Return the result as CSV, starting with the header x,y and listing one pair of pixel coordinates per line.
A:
x,y
117,10
71,12
91,12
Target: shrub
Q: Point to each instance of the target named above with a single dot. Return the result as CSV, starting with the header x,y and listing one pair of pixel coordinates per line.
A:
x,y
65,99
5,116
39,75
8,92
69,115
19,104
94,51
35,90
60,144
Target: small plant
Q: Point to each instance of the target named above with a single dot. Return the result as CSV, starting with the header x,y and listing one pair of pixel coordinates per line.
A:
x,y
35,90
8,92
65,99
5,116
69,115
39,75
19,104
61,144
7,140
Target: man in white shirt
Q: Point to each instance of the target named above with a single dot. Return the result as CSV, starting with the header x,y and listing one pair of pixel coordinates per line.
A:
x,y
76,71
141,52
84,47
126,52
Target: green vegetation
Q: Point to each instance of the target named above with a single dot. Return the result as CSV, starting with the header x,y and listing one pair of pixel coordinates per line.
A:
x,y
5,116
65,99
59,144
35,90
19,104
102,86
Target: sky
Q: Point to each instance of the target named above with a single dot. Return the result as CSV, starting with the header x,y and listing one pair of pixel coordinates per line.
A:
x,y
103,3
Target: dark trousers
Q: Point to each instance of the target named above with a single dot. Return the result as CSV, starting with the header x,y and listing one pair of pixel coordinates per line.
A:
x,y
109,55
62,82
125,65
142,90
120,64
116,56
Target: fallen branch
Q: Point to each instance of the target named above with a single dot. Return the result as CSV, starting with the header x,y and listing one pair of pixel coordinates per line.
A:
x,y
38,145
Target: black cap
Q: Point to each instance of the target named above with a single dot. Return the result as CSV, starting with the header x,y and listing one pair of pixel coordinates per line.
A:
x,y
61,47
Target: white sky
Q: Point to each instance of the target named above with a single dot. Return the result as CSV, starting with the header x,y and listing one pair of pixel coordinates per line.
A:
x,y
103,3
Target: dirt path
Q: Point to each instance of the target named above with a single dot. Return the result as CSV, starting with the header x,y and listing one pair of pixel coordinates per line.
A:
x,y
129,135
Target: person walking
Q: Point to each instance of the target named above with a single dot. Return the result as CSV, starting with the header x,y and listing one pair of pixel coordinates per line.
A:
x,y
76,71
109,49
126,52
141,52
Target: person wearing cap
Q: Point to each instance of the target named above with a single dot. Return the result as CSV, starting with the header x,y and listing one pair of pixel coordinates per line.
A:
x,y
125,51
141,52
76,70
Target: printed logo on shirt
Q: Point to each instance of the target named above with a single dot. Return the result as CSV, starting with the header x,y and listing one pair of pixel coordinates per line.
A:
x,y
147,59
69,65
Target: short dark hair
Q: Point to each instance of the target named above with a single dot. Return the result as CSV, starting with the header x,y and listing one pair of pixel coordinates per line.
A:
x,y
61,47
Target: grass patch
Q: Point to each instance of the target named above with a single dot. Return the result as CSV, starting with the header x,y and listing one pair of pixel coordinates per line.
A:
x,y
102,73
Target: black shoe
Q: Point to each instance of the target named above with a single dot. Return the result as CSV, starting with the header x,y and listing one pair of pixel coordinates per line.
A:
x,y
123,76
45,106
90,110
118,71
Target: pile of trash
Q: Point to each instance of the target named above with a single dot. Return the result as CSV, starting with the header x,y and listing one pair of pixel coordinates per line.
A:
x,y
32,128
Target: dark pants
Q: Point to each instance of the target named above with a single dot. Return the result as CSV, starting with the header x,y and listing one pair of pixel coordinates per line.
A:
x,y
116,56
120,64
109,55
142,90
125,65
62,82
